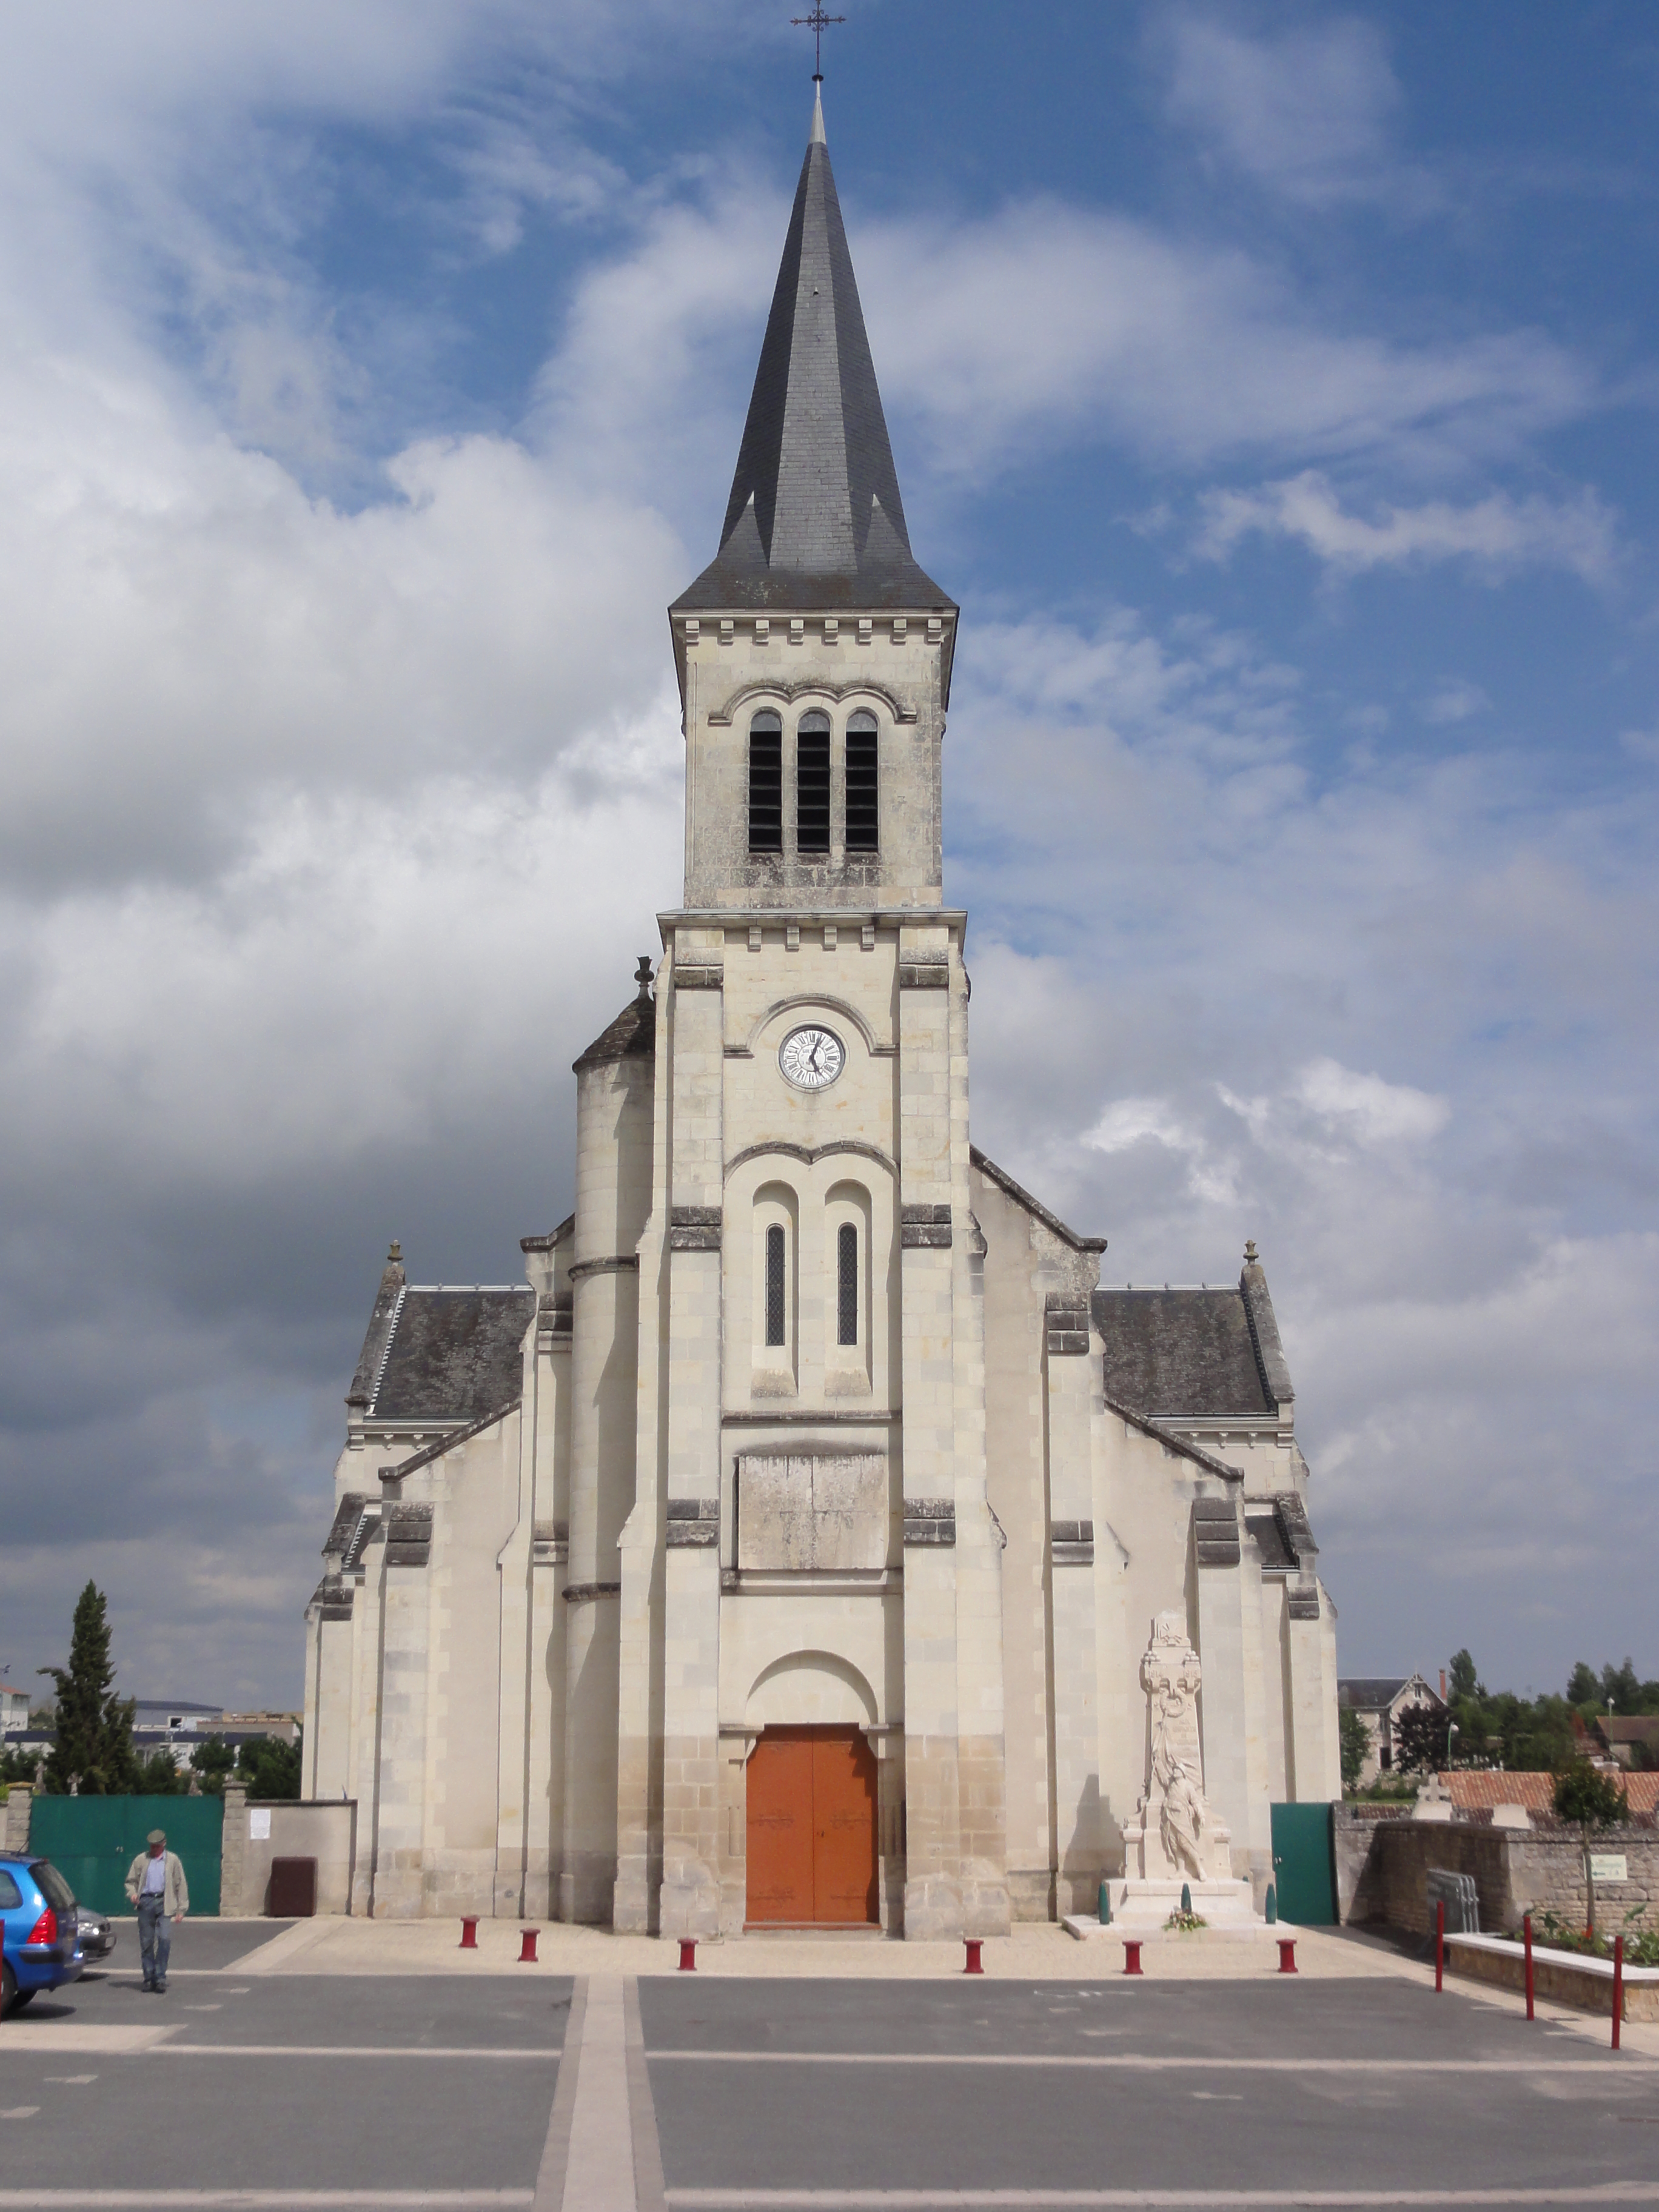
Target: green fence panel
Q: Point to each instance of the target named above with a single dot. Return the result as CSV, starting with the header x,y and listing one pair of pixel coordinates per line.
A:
x,y
92,1841
1304,1864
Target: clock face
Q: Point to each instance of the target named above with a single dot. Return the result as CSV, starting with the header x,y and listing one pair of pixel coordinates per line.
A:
x,y
811,1058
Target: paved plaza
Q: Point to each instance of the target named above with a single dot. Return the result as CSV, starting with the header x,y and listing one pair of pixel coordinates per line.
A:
x,y
336,2063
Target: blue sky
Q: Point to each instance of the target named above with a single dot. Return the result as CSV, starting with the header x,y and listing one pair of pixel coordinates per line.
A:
x,y
1276,388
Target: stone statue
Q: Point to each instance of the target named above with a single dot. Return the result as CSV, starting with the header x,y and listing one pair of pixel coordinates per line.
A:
x,y
1173,1826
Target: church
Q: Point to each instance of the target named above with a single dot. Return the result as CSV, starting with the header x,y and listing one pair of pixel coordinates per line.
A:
x,y
809,1539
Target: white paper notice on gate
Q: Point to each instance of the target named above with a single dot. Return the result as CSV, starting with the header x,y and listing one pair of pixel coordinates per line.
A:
x,y
258,1824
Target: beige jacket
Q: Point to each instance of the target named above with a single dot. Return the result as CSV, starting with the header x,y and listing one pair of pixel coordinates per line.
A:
x,y
175,1897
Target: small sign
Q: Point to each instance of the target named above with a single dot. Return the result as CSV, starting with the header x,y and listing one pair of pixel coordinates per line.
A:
x,y
258,1829
1606,1866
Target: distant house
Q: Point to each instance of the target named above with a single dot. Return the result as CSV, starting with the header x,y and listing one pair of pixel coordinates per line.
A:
x,y
1632,1742
14,1707
1379,1700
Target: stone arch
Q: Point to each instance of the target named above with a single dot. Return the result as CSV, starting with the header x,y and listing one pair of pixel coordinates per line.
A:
x,y
842,1006
804,1687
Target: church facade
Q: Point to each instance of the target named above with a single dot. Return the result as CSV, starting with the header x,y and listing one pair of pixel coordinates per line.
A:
x,y
810,1538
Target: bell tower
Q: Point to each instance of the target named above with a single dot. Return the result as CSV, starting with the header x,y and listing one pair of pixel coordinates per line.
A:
x,y
812,1338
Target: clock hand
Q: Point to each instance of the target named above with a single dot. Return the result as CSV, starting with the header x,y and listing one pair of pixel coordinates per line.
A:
x,y
813,1057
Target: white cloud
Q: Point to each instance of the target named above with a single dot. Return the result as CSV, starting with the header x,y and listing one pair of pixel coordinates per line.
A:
x,y
1131,1121
1043,316
1454,701
1496,536
1307,113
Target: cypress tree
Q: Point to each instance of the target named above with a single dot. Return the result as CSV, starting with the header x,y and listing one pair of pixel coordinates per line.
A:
x,y
94,1726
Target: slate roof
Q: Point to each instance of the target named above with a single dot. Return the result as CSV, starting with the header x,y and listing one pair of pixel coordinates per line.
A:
x,y
1370,1693
451,1355
632,1036
1176,1352
815,519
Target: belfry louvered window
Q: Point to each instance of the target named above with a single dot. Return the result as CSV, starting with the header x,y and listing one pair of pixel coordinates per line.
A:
x,y
812,784
847,1284
774,1286
861,817
766,784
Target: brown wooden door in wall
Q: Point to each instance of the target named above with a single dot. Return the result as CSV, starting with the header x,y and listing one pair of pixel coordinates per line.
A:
x,y
812,1828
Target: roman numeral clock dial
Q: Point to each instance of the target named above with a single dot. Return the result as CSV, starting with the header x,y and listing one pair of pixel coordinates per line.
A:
x,y
811,1058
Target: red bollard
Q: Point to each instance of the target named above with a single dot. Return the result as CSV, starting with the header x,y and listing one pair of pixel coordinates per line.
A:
x,y
971,1944
1287,1954
1440,1946
1618,1986
1526,1937
469,1934
527,1948
688,1954
1131,1957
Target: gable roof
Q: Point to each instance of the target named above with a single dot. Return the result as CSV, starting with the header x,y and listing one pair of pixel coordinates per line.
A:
x,y
453,1353
815,519
1177,1352
1374,1693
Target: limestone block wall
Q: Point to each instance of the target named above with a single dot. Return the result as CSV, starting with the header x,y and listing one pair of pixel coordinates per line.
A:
x,y
897,668
326,1832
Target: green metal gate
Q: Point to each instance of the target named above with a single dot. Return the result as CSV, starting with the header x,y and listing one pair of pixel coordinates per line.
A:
x,y
92,1841
1304,1864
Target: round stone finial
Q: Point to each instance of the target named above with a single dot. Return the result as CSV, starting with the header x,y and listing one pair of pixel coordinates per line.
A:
x,y
1249,1252
643,974
394,1257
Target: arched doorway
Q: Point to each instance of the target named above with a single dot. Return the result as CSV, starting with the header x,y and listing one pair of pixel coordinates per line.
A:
x,y
812,1829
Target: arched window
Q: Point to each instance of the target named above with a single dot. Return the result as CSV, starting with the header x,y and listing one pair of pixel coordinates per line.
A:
x,y
861,817
847,1284
775,1307
766,784
812,784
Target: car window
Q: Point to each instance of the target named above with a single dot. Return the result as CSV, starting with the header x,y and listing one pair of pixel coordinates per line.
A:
x,y
55,1889
9,1892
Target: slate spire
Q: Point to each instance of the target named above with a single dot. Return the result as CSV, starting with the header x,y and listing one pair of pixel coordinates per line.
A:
x,y
815,518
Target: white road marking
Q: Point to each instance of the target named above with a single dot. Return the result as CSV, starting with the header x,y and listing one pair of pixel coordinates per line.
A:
x,y
598,2173
212,2007
260,2200
72,2080
1128,2200
544,2056
1140,2063
18,2112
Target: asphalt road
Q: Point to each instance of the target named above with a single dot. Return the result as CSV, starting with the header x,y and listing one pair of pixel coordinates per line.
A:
x,y
306,2091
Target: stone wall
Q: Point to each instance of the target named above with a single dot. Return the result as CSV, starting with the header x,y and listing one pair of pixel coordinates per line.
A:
x,y
326,1832
1383,1867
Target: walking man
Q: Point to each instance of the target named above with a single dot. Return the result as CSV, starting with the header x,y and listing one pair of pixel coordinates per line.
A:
x,y
157,1889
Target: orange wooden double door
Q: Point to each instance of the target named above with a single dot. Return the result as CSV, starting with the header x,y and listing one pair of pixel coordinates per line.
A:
x,y
812,1828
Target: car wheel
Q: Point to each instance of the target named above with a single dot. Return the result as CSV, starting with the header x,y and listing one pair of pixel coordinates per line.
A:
x,y
7,1990
24,1997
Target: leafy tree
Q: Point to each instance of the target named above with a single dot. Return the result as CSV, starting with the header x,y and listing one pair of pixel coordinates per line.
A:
x,y
1582,1688
158,1777
94,1726
1356,1742
1621,1688
1594,1800
212,1762
270,1768
1419,1739
1465,1682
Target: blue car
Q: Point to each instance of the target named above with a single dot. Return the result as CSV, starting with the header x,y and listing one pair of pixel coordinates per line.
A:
x,y
37,1933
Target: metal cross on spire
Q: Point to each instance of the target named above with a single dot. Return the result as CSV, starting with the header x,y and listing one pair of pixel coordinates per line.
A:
x,y
815,22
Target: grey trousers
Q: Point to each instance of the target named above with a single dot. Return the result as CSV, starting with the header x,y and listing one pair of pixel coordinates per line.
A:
x,y
155,1938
